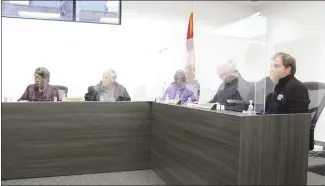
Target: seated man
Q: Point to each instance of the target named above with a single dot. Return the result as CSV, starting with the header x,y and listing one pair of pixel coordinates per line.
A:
x,y
108,89
178,89
234,87
41,90
289,95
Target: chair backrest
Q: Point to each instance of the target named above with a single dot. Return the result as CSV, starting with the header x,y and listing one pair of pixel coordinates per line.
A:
x,y
316,91
63,90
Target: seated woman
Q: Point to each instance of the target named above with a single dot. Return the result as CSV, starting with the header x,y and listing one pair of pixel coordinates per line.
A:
x,y
108,89
41,90
178,89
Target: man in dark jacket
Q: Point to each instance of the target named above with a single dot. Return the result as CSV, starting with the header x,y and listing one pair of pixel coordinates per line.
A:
x,y
234,87
289,95
108,89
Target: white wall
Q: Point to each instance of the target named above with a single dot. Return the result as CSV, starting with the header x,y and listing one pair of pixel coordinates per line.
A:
x,y
298,28
77,53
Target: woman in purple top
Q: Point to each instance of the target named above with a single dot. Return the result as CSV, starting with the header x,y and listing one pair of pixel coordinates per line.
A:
x,y
178,89
41,90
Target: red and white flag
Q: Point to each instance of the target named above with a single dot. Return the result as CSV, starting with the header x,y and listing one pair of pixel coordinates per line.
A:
x,y
192,83
190,62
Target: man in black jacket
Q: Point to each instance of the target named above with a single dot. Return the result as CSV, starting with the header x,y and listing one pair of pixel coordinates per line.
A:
x,y
234,87
289,95
108,90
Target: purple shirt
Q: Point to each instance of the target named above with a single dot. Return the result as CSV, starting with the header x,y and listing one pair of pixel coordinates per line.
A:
x,y
183,92
32,93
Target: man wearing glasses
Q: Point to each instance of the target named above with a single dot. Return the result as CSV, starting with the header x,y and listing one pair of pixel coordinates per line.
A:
x,y
41,90
234,90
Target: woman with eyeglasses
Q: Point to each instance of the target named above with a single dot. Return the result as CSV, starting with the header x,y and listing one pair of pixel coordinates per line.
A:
x,y
41,90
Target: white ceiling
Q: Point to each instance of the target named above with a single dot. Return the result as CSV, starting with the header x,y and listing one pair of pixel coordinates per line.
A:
x,y
256,4
248,28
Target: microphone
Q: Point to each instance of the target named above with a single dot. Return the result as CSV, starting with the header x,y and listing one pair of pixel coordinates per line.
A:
x,y
93,93
36,88
89,96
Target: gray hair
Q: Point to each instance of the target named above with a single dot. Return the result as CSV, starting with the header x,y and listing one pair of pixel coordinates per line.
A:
x,y
227,66
111,73
43,72
181,74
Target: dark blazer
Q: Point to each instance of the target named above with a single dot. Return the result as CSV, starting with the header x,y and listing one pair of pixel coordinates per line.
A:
x,y
289,96
238,89
120,93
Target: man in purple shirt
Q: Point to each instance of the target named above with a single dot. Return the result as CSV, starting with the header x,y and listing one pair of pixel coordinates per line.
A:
x,y
178,89
41,90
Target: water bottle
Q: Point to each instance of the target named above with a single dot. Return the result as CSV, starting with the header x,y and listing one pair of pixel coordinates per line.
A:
x,y
163,90
189,102
250,109
64,98
166,99
218,107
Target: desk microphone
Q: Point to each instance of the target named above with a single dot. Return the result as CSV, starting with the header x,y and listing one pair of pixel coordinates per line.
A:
x,y
36,88
92,96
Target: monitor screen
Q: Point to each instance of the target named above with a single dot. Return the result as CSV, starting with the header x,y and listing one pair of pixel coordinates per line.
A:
x,y
106,12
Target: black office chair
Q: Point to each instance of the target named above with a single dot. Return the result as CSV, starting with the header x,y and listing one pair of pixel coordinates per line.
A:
x,y
316,92
63,91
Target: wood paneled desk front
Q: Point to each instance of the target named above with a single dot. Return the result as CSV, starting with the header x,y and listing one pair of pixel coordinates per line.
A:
x,y
182,145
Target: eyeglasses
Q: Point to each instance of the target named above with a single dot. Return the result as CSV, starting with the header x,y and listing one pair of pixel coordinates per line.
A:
x,y
37,78
222,74
180,79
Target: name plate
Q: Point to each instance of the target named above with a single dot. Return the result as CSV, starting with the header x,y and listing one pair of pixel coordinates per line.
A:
x,y
209,106
174,102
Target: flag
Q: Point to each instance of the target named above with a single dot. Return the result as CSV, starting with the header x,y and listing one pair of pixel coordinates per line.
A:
x,y
190,62
192,84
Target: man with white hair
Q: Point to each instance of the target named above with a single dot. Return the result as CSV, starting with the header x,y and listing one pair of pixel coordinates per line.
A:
x,y
234,87
108,89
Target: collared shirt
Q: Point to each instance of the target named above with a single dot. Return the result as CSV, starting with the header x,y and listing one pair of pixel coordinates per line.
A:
x,y
107,95
32,93
94,93
179,93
